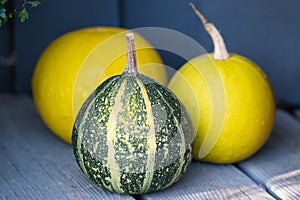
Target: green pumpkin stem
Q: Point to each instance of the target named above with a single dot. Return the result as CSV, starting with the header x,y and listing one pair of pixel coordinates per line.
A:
x,y
131,64
220,51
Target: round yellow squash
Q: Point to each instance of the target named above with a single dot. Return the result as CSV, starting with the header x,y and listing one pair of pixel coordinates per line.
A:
x,y
230,101
73,65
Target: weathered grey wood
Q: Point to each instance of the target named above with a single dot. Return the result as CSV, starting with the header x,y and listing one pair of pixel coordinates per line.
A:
x,y
207,181
35,164
277,165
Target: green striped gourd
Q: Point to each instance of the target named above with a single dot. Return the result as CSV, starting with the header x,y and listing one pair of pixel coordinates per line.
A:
x,y
132,135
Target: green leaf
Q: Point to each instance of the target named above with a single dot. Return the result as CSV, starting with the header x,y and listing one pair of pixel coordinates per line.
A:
x,y
3,1
35,3
23,15
2,11
4,20
1,6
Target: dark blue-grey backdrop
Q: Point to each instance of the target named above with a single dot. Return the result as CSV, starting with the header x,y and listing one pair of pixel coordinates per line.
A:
x,y
265,31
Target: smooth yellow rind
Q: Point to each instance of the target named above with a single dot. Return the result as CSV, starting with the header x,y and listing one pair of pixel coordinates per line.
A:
x,y
63,67
249,105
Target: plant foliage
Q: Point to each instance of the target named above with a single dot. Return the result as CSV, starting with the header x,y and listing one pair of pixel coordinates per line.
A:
x,y
21,11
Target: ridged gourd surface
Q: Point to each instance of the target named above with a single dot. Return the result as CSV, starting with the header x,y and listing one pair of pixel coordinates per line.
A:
x,y
132,136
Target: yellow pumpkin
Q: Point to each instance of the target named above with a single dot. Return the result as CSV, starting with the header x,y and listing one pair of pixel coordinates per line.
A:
x,y
73,65
230,100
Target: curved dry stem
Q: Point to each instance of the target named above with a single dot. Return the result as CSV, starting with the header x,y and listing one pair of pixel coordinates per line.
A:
x,y
220,51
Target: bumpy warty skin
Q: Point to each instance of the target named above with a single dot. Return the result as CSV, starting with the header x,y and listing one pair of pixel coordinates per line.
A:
x,y
133,136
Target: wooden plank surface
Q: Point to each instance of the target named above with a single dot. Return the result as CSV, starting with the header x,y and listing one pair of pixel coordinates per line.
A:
x,y
35,164
208,181
277,165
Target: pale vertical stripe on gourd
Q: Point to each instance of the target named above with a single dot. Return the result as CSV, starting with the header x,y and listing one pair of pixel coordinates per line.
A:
x,y
80,132
151,140
95,148
182,146
111,135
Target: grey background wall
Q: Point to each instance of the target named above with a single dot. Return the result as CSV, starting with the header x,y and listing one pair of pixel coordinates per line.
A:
x,y
6,69
265,31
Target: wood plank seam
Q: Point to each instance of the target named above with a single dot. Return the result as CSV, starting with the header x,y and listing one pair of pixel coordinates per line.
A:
x,y
276,166
49,162
256,182
246,173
